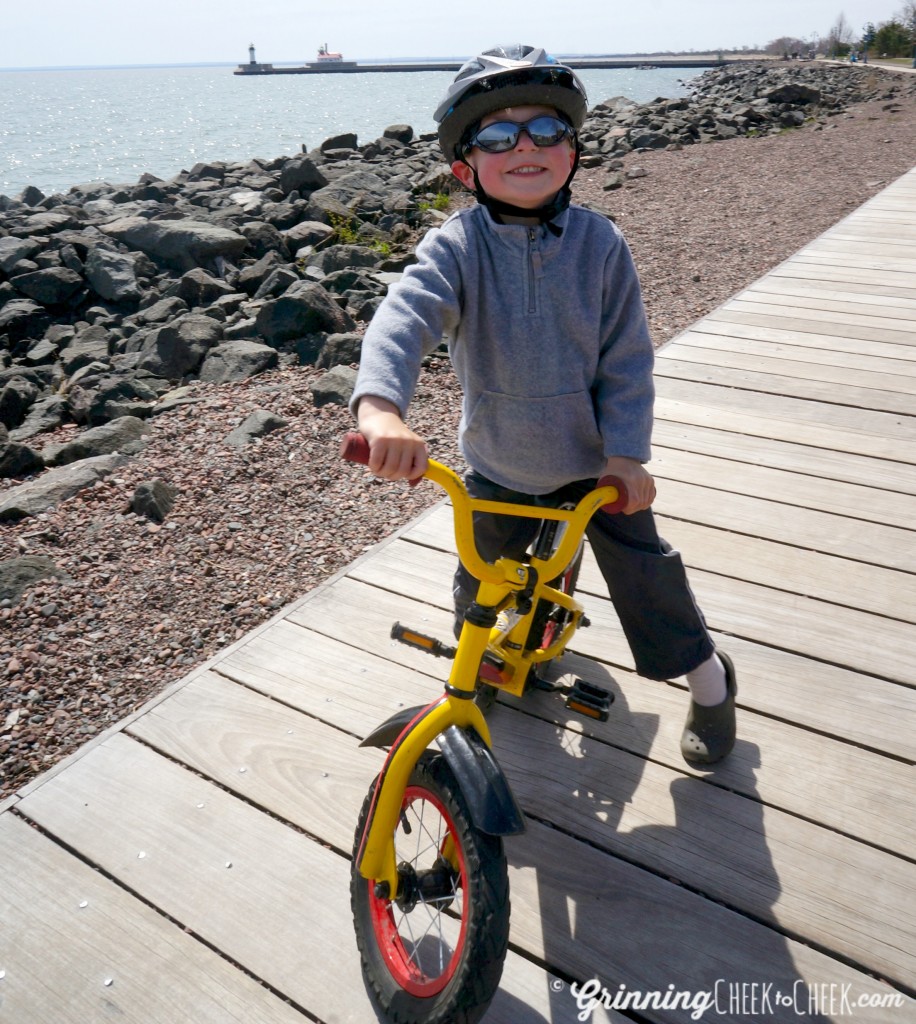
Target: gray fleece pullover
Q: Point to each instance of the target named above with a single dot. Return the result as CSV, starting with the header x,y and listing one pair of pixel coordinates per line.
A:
x,y
548,338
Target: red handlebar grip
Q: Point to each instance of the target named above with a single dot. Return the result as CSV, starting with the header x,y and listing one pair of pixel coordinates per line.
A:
x,y
622,496
355,448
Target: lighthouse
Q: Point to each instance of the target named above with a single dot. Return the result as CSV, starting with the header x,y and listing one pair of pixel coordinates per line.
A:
x,y
251,59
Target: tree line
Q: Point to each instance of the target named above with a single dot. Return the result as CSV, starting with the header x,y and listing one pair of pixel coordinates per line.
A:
x,y
893,38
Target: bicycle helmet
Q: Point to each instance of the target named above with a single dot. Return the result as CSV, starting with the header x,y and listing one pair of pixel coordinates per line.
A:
x,y
510,76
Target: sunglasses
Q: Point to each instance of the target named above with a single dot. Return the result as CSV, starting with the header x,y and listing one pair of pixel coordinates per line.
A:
x,y
501,136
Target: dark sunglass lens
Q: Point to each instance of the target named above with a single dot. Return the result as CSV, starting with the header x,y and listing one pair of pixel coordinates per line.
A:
x,y
546,131
498,137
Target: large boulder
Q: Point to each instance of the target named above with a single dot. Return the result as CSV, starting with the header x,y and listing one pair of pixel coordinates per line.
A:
x,y
183,244
176,350
21,319
55,486
121,434
305,308
237,360
12,250
301,174
112,275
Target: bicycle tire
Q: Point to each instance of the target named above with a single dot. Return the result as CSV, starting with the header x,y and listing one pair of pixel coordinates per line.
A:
x,y
436,962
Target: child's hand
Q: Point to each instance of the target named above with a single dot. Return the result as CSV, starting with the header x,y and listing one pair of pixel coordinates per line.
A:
x,y
640,484
395,451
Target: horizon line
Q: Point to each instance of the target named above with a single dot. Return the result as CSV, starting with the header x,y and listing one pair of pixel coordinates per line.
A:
x,y
364,60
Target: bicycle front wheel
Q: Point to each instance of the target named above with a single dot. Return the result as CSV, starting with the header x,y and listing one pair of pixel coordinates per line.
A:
x,y
435,954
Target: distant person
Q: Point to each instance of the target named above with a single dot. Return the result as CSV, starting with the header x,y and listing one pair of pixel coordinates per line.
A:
x,y
541,306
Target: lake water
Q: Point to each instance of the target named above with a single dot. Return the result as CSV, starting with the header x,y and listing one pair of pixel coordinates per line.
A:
x,y
63,128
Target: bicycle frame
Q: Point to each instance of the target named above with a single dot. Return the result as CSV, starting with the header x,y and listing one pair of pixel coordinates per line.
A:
x,y
411,733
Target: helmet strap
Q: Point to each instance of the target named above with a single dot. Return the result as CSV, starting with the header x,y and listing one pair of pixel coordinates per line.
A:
x,y
543,214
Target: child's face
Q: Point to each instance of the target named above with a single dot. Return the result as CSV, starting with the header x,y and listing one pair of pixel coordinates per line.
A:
x,y
525,176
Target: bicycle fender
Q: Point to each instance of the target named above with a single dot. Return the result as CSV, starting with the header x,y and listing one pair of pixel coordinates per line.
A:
x,y
385,734
491,803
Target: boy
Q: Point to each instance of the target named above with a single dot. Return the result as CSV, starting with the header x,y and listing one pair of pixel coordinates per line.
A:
x,y
541,306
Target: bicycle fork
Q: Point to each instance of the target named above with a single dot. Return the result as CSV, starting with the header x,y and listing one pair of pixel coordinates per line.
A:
x,y
456,723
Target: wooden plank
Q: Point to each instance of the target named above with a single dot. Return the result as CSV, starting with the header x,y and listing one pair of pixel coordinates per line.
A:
x,y
852,501
842,702
872,282
812,324
859,300
779,565
838,428
840,467
75,947
266,888
897,271
897,329
786,567
771,375
890,374
848,789
903,255
283,904
773,866
798,625
636,798
801,342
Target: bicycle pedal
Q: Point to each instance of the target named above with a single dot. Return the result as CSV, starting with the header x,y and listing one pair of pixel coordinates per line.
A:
x,y
421,642
589,700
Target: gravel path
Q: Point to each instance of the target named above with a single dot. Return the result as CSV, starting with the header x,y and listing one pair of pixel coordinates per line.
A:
x,y
139,605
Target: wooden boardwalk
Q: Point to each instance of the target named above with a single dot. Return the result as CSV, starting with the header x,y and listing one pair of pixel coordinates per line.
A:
x,y
192,864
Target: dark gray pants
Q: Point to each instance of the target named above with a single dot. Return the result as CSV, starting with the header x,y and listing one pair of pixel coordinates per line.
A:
x,y
645,576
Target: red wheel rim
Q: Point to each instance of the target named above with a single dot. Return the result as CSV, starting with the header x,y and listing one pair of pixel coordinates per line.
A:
x,y
401,956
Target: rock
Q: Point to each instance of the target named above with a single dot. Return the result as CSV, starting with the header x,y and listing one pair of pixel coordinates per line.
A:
x,y
19,460
47,413
176,350
162,311
237,360
112,275
300,174
399,132
198,288
307,232
346,140
123,434
12,250
276,283
343,257
153,499
55,486
303,309
259,423
251,277
183,244
101,398
91,345
340,349
16,398
336,386
23,318
18,574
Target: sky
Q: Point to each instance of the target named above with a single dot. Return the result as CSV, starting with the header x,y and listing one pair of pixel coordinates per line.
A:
x,y
115,32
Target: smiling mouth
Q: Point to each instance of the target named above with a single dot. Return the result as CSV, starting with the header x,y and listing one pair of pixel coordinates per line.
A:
x,y
527,169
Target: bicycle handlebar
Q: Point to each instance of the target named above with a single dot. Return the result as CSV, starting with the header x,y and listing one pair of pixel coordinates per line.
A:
x,y
355,448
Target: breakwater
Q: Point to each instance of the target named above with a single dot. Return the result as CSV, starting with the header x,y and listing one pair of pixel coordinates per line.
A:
x,y
578,63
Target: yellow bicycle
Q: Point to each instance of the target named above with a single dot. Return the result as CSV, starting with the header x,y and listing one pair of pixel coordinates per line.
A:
x,y
429,885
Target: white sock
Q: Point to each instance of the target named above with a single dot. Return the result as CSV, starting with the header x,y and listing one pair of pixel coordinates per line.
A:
x,y
707,682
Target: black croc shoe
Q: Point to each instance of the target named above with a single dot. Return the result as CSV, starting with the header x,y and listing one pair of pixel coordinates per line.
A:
x,y
709,734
